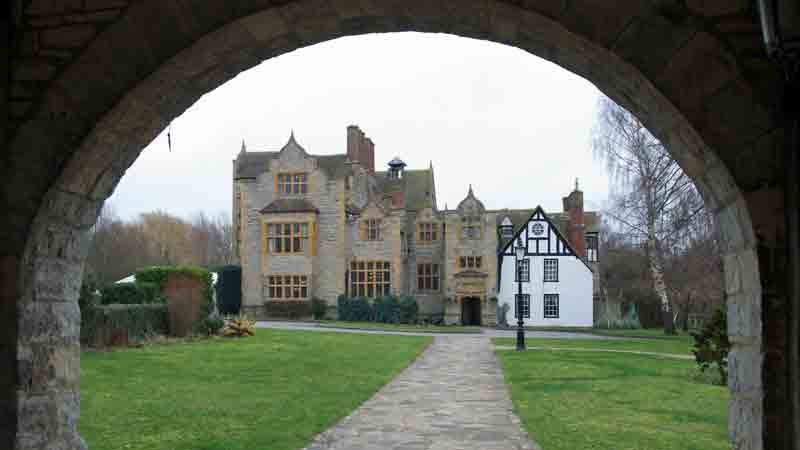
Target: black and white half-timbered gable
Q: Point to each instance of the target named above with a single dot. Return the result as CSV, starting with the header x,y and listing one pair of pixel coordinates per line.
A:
x,y
553,282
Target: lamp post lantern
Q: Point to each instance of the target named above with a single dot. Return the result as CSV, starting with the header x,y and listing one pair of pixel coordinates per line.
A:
x,y
519,255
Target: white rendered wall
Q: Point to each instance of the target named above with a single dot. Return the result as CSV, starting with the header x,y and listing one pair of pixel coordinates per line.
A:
x,y
574,287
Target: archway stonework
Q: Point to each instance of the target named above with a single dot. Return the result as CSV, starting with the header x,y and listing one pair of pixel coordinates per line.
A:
x,y
93,82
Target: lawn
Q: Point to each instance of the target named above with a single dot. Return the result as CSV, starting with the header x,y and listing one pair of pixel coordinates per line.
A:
x,y
602,401
272,391
644,333
672,346
399,327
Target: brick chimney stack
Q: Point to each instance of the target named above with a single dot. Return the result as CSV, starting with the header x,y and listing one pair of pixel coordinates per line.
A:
x,y
360,148
368,155
353,141
576,228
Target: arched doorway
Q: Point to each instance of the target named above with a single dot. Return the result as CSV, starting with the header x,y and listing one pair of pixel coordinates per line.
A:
x,y
471,311
86,115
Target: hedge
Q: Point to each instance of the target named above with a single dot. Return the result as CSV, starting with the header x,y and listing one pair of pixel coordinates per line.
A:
x,y
102,325
408,309
131,294
387,309
288,309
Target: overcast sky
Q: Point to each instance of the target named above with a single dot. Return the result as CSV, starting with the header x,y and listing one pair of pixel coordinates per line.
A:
x,y
515,126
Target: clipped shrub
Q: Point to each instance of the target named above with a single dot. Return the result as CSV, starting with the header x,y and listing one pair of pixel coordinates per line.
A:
x,y
121,294
105,325
209,326
288,309
711,345
408,309
318,308
386,309
354,309
238,326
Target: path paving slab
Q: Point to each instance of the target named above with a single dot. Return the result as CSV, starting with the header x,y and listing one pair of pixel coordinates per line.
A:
x,y
452,397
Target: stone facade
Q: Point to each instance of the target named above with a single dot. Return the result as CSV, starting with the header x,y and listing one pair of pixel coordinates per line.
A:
x,y
354,214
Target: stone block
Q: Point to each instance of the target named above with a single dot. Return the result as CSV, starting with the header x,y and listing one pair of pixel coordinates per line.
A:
x,y
700,68
744,369
736,230
601,21
56,280
34,69
744,316
70,36
50,323
42,7
49,367
711,8
104,4
649,42
71,209
744,426
741,271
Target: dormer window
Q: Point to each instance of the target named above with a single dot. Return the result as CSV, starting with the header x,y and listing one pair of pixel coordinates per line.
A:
x,y
292,183
470,228
507,229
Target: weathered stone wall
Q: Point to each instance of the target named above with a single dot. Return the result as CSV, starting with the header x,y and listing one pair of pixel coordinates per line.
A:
x,y
694,72
486,248
419,252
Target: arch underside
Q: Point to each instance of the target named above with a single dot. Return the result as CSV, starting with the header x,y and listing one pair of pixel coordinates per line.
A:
x,y
680,76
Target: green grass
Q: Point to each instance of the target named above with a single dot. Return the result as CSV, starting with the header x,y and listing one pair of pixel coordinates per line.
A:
x,y
399,327
272,391
648,333
645,333
603,401
672,346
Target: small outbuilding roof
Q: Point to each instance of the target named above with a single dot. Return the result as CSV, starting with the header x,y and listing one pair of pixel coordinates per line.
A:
x,y
288,205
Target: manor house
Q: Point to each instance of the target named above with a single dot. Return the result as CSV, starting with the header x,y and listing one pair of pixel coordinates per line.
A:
x,y
324,225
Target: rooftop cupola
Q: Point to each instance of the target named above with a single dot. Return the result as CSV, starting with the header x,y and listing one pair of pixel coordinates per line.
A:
x,y
396,167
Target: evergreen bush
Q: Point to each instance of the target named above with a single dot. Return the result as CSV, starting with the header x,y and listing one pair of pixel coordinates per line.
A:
x,y
209,326
130,294
288,309
354,309
318,308
102,323
711,345
409,309
386,309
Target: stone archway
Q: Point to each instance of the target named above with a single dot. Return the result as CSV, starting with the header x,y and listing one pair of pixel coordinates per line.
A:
x,y
111,88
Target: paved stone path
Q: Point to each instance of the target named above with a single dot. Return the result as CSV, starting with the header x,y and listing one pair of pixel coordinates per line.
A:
x,y
452,397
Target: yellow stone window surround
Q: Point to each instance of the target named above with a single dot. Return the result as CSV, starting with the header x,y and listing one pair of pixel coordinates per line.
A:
x,y
308,237
292,183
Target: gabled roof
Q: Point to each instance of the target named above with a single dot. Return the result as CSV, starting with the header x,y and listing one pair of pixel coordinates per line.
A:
x,y
252,164
558,232
289,205
414,184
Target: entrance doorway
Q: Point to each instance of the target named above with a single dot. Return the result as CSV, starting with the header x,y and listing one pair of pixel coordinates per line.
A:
x,y
471,311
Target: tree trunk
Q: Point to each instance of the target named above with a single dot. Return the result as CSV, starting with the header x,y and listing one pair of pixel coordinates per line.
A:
x,y
660,288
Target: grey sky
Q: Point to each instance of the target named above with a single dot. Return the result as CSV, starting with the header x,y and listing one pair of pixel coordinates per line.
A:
x,y
515,126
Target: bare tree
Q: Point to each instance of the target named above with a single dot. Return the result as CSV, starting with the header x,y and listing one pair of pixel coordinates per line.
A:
x,y
654,200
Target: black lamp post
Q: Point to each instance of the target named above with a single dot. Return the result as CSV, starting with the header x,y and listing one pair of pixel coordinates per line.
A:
x,y
519,254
